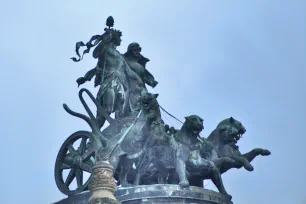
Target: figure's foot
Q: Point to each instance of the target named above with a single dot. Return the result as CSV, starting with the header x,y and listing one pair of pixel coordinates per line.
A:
x,y
249,167
184,184
265,152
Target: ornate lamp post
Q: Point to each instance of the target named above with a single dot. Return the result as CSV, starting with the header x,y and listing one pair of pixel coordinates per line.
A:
x,y
103,186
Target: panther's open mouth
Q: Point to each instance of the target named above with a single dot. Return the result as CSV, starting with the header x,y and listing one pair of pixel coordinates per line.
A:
x,y
238,136
145,104
195,132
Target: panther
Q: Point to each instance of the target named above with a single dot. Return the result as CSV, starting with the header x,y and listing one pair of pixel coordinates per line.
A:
x,y
224,139
180,156
128,136
138,139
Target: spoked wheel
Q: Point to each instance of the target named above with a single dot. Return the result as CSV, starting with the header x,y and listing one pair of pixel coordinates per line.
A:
x,y
74,160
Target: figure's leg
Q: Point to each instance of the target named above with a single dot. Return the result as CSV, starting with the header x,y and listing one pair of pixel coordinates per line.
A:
x,y
243,161
223,161
215,176
173,178
195,181
107,101
181,171
119,113
161,179
109,98
125,167
137,179
119,107
162,170
100,118
228,151
140,169
116,157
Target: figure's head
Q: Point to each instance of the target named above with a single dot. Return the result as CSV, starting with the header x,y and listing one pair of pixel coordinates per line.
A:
x,y
134,49
149,105
194,124
112,36
115,37
231,130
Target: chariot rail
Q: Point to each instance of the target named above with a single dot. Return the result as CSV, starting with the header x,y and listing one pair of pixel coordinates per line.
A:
x,y
79,160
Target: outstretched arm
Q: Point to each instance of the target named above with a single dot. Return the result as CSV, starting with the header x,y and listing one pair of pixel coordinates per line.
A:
x,y
99,50
149,79
88,76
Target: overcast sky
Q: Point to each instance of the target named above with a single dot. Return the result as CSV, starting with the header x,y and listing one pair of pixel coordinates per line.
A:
x,y
212,58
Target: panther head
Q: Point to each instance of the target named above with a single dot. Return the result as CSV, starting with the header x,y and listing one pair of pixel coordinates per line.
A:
x,y
194,124
231,130
149,105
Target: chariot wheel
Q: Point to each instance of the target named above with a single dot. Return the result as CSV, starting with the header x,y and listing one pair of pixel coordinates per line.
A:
x,y
74,162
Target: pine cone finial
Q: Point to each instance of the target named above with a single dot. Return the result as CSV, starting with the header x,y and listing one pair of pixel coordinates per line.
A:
x,y
110,22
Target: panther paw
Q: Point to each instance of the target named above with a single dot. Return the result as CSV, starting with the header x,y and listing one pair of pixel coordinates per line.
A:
x,y
184,183
249,167
265,152
229,196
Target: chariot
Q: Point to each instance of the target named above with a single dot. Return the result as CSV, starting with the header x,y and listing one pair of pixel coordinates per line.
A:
x,y
78,153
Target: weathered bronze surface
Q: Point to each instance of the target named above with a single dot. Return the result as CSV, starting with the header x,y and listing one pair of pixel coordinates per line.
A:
x,y
137,147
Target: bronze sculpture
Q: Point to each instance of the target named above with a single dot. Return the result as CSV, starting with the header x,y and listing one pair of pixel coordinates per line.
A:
x,y
140,147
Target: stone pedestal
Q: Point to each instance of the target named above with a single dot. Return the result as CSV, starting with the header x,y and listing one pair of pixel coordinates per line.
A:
x,y
161,193
157,194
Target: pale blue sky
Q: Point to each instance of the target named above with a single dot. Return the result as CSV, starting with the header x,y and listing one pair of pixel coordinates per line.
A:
x,y
217,59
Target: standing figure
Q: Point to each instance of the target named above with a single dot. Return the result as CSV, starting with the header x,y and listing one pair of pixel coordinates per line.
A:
x,y
110,72
122,78
139,76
